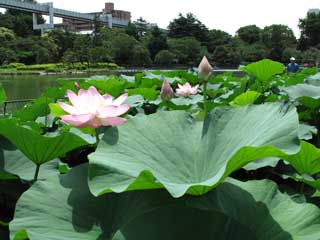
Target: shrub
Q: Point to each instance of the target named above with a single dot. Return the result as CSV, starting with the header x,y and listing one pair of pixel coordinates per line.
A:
x,y
164,57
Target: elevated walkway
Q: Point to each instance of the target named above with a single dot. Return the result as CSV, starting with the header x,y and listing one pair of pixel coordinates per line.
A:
x,y
48,9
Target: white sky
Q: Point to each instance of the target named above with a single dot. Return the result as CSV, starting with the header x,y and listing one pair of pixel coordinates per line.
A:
x,y
227,15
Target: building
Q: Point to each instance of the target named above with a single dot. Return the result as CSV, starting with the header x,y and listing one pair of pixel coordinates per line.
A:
x,y
108,12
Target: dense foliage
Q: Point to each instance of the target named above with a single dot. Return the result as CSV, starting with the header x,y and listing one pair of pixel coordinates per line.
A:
x,y
225,157
185,41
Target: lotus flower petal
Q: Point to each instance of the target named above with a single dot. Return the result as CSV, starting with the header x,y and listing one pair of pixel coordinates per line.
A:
x,y
73,98
186,90
67,108
77,120
120,99
113,111
90,108
113,121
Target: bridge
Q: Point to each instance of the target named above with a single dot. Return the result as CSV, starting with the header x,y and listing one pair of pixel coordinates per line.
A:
x,y
48,9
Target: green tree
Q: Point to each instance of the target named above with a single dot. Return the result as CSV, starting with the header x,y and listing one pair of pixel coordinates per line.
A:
x,y
70,58
7,56
121,46
81,47
310,33
6,35
99,54
290,52
252,52
218,38
132,30
164,57
249,34
157,41
187,49
142,27
311,56
63,39
140,56
188,26
277,37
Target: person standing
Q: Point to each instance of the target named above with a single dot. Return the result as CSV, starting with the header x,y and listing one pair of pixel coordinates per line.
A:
x,y
292,67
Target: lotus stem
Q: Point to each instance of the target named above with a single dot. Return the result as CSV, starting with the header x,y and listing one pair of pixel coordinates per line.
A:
x,y
36,174
205,107
97,136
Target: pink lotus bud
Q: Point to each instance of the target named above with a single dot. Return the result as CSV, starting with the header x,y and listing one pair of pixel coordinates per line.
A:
x,y
166,91
205,69
76,85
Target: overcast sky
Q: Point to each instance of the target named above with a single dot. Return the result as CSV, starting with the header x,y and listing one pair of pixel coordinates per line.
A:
x,y
227,15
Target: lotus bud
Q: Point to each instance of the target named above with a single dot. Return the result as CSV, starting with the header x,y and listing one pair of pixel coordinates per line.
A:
x,y
76,85
205,69
166,91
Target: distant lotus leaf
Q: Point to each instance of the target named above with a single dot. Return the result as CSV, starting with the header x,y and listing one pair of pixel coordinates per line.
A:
x,y
308,95
264,69
245,99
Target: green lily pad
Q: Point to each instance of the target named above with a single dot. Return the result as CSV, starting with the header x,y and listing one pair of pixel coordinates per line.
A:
x,y
36,147
186,101
61,207
245,99
171,150
308,95
263,70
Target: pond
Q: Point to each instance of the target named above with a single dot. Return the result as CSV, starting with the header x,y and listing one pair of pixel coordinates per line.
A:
x,y
30,86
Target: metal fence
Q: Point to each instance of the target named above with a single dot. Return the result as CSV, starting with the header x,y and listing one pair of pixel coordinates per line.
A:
x,y
13,105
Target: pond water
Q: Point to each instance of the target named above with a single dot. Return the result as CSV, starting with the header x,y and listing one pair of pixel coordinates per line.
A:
x,y
30,86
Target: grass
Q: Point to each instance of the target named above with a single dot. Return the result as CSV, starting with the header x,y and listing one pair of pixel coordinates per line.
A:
x,y
16,68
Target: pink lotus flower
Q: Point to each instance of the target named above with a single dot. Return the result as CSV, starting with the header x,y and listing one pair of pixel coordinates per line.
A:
x,y
186,90
90,108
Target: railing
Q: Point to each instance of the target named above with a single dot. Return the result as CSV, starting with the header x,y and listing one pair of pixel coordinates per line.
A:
x,y
9,106
44,9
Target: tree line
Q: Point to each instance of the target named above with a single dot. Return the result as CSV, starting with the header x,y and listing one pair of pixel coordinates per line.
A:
x,y
143,44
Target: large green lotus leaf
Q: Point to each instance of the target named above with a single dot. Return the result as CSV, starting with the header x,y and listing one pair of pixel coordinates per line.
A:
x,y
261,163
62,207
307,160
187,223
13,164
307,94
264,69
246,98
134,100
306,131
35,109
173,150
307,179
36,147
263,210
